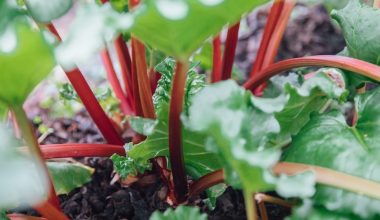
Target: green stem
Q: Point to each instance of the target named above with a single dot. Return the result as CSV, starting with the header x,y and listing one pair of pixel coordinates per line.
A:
x,y
250,206
32,142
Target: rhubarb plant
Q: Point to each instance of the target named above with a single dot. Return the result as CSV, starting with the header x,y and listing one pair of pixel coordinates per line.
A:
x,y
198,132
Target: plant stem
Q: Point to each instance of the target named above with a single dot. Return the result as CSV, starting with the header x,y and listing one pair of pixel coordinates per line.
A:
x,y
93,107
270,25
53,151
262,210
23,217
354,65
175,131
50,212
90,102
332,178
114,82
206,182
250,206
260,197
216,60
31,141
54,31
229,51
142,80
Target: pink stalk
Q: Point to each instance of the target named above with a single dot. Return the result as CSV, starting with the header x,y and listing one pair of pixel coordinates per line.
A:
x,y
216,60
229,51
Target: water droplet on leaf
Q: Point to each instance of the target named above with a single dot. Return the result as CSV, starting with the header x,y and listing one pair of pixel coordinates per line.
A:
x,y
174,10
211,2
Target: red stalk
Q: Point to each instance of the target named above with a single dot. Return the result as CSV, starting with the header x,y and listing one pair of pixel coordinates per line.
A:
x,y
229,51
124,58
216,60
91,104
53,151
206,182
347,63
114,81
29,138
278,33
54,31
175,132
142,80
50,212
23,217
93,107
270,26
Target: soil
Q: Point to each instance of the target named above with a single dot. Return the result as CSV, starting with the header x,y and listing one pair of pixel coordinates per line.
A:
x,y
310,33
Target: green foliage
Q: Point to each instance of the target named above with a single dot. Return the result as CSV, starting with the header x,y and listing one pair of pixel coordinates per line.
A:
x,y
68,176
3,215
361,31
48,10
307,211
92,27
194,83
328,141
180,213
183,25
27,60
23,182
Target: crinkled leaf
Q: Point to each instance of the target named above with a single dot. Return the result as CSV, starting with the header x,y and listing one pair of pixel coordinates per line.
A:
x,y
328,141
194,83
28,61
181,26
301,185
68,176
361,31
48,10
307,211
312,95
144,126
23,182
180,213
238,128
93,26
8,12
197,160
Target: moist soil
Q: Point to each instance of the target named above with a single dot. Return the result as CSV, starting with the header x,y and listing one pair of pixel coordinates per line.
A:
x,y
310,33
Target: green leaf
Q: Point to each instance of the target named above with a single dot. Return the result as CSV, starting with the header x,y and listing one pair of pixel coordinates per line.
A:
x,y
307,211
28,62
328,141
194,83
3,215
68,176
181,26
92,27
23,182
48,10
197,160
238,128
313,95
3,112
180,213
9,12
361,30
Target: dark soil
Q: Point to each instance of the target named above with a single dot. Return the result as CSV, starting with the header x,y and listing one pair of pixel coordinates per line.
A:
x,y
310,33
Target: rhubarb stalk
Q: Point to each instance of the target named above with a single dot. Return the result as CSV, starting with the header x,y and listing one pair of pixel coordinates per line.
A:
x,y
216,60
175,131
229,51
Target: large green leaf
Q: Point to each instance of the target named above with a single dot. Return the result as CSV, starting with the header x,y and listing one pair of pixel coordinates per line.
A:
x,y
3,112
23,181
48,10
180,213
328,141
238,128
68,176
92,27
181,26
307,211
24,64
359,23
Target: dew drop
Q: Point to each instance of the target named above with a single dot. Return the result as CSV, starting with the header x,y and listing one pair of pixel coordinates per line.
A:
x,y
211,2
172,9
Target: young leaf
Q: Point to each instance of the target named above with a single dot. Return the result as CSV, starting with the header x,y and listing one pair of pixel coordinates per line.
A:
x,y
93,26
328,141
48,10
23,66
68,176
23,182
194,83
183,25
180,213
238,129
